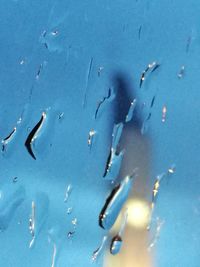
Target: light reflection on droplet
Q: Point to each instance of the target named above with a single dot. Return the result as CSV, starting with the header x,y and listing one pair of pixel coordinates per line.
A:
x,y
32,224
68,192
75,222
164,113
91,137
172,169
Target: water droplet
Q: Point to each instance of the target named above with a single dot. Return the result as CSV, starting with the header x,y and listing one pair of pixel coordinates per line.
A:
x,y
22,62
89,70
110,96
164,113
129,116
38,216
172,169
8,139
54,255
116,135
19,120
98,251
116,245
100,69
150,68
15,179
34,134
68,192
114,160
181,72
39,72
155,191
69,210
159,225
70,234
61,115
115,202
32,224
113,165
116,242
50,41
145,124
75,222
91,137
54,33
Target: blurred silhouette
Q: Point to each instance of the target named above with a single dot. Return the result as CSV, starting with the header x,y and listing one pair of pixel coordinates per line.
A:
x,y
137,152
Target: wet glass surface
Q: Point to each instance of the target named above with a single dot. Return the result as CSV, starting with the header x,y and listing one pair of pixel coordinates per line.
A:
x,y
99,126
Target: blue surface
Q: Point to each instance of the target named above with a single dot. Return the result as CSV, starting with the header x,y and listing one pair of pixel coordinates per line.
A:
x,y
57,41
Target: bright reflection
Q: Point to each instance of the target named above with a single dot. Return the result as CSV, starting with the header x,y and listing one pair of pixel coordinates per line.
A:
x,y
135,238
138,213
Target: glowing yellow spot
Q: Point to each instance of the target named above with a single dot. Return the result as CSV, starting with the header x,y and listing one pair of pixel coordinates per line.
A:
x,y
138,213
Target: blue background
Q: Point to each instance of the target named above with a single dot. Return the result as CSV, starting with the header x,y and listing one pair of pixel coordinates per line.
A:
x,y
108,33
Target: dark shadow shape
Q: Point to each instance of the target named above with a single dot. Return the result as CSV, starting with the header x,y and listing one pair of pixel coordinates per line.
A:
x,y
125,93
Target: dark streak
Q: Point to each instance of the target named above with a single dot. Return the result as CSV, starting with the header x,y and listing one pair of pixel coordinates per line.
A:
x,y
188,44
148,117
30,138
6,140
101,102
142,78
152,101
151,67
139,32
70,234
10,135
88,78
156,67
3,148
108,200
45,43
15,179
39,71
108,164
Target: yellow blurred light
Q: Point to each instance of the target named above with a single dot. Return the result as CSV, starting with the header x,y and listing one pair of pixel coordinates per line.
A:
x,y
138,213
